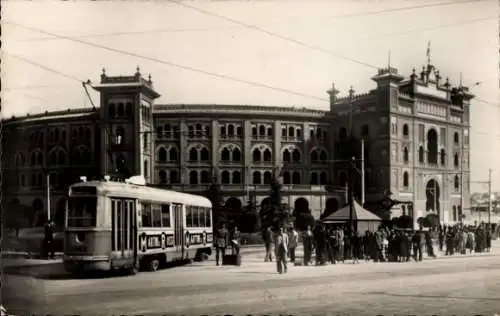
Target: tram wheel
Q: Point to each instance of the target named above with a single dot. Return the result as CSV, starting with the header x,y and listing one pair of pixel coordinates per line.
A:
x,y
154,265
133,270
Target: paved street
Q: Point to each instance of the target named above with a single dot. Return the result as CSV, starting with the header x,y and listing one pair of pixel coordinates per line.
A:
x,y
444,287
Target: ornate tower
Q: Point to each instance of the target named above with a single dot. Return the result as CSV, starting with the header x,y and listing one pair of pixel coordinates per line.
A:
x,y
126,125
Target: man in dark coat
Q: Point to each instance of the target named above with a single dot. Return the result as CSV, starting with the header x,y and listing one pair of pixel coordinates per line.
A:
x,y
267,235
48,240
221,242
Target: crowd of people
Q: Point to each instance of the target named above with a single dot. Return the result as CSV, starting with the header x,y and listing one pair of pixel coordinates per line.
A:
x,y
324,244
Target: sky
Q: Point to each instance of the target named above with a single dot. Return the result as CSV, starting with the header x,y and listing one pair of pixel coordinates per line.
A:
x,y
299,46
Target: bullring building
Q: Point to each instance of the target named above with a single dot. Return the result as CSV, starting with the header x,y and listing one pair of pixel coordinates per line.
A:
x,y
415,131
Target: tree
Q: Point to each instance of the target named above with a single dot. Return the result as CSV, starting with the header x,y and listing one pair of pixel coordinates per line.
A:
x,y
249,220
431,221
17,215
272,214
214,194
404,221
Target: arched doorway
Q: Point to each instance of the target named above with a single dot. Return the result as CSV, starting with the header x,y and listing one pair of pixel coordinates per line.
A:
x,y
432,193
60,214
432,146
332,205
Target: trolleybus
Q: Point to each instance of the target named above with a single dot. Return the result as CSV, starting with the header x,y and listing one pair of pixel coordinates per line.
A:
x,y
116,225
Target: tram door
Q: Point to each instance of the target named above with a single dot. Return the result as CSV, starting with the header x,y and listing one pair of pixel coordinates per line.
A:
x,y
179,229
123,221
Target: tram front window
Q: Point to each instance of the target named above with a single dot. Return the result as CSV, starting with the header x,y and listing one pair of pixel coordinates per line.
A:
x,y
82,211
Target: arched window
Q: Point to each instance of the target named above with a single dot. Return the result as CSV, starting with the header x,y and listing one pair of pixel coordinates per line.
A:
x,y
286,178
193,154
256,155
314,156
236,177
193,177
267,177
322,156
456,160
19,160
205,155
159,131
207,131
314,178
443,157
191,131
162,155
406,155
173,154
406,130
432,146
283,132
225,177
262,130
120,135
174,176
291,131
256,177
162,177
421,154
121,110
457,182
205,177
456,138
406,179
296,156
286,155
239,131
254,131
267,155
111,110
230,130
236,155
296,177
225,154
269,131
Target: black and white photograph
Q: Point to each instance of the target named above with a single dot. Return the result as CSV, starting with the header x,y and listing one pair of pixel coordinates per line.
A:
x,y
250,157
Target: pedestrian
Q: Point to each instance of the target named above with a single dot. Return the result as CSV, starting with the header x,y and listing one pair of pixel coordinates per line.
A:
x,y
441,238
281,250
341,244
268,243
294,241
308,241
319,238
235,241
428,245
356,247
221,243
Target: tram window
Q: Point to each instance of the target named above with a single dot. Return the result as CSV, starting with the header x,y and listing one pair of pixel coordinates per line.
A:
x,y
208,217
196,216
165,216
146,215
82,212
156,215
189,216
202,216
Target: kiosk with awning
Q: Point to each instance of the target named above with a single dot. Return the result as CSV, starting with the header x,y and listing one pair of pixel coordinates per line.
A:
x,y
362,219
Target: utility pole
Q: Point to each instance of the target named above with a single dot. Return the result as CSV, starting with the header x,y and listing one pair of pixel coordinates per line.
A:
x,y
351,197
363,171
461,185
489,198
48,197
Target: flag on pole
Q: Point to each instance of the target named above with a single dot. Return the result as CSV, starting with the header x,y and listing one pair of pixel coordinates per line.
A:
x,y
429,52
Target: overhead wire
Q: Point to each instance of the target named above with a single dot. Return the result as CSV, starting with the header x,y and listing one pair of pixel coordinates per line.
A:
x,y
181,30
172,64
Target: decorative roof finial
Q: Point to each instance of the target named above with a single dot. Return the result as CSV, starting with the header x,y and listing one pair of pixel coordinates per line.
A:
x,y
149,77
428,52
389,61
138,70
413,71
103,71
